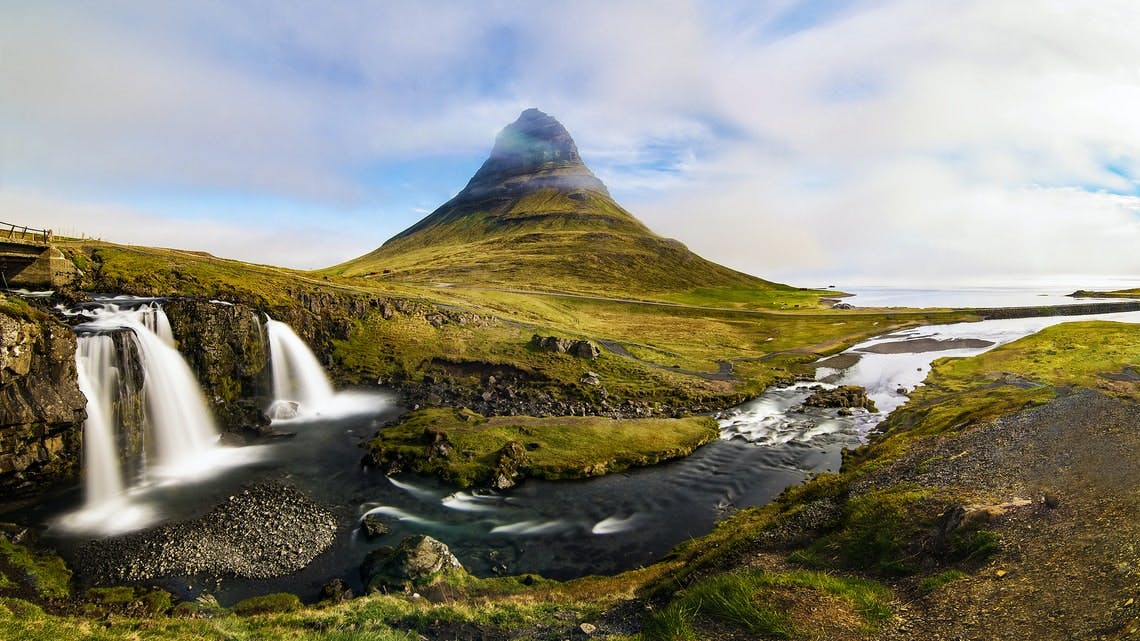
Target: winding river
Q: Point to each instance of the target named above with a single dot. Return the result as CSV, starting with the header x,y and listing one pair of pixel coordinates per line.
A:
x,y
569,528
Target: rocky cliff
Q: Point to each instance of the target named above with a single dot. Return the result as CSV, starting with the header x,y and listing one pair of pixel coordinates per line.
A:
x,y
225,345
41,407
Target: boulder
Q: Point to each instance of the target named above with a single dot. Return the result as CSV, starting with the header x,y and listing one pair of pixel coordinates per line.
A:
x,y
374,525
418,560
581,349
336,591
846,396
511,460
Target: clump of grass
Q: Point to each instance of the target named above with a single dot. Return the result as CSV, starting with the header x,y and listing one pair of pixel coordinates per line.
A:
x,y
275,602
932,583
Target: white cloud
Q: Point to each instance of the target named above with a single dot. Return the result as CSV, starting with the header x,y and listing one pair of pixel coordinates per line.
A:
x,y
891,139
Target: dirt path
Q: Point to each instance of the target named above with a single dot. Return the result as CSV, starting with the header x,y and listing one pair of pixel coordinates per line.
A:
x,y
1070,561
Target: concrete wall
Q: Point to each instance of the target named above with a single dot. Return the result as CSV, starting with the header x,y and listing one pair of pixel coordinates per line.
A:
x,y
34,265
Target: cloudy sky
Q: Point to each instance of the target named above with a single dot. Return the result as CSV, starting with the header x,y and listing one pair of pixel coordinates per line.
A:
x,y
967,141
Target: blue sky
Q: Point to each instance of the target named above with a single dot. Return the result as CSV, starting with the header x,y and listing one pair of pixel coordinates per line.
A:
x,y
963,141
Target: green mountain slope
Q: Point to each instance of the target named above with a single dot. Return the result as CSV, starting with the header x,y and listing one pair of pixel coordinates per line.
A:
x,y
535,217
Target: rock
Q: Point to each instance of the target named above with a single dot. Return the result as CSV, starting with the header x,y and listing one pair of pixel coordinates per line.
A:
x,y
581,349
1051,500
336,591
418,560
281,410
225,346
41,407
585,349
588,628
849,396
590,378
512,458
374,525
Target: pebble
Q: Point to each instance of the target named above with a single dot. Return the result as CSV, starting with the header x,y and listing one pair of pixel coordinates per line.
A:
x,y
264,531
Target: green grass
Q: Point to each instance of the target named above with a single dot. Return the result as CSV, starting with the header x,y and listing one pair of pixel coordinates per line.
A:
x,y
555,448
934,583
753,602
267,604
45,574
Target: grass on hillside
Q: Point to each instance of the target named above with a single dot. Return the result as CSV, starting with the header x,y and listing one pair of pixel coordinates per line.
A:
x,y
552,240
897,530
775,606
550,448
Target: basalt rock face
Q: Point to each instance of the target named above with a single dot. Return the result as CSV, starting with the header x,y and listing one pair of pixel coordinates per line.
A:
x,y
41,408
226,347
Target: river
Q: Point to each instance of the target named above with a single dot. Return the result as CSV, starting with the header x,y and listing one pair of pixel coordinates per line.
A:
x,y
564,529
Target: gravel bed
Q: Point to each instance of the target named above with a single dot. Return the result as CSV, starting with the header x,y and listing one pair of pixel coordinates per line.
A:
x,y
266,530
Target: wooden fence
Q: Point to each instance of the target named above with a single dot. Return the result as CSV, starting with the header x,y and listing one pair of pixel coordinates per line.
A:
x,y
25,233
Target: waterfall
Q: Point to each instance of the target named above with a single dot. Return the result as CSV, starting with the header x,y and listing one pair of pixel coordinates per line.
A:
x,y
176,410
300,386
179,434
99,380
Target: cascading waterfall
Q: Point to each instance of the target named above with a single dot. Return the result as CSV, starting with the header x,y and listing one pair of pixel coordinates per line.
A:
x,y
98,380
178,432
300,386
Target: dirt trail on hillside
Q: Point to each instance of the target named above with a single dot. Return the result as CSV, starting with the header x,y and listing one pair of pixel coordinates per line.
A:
x,y
1070,561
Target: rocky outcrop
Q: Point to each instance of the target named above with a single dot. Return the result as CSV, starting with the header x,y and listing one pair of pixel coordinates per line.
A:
x,y
41,407
844,397
418,560
510,466
226,347
581,349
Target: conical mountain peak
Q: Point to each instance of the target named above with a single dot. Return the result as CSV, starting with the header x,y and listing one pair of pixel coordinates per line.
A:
x,y
534,216
533,152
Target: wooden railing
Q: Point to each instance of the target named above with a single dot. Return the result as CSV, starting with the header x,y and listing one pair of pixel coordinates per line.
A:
x,y
25,233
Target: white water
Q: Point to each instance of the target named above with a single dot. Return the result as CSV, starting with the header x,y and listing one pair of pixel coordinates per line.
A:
x,y
301,389
297,375
778,416
179,420
181,441
98,380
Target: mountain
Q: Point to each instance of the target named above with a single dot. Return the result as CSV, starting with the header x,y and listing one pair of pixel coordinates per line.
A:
x,y
534,216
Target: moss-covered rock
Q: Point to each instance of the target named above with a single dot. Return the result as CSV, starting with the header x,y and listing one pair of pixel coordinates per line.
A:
x,y
418,560
225,345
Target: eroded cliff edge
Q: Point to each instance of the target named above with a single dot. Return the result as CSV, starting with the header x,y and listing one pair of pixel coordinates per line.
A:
x,y
41,407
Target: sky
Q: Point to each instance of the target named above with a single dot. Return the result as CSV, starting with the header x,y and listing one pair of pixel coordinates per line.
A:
x,y
878,142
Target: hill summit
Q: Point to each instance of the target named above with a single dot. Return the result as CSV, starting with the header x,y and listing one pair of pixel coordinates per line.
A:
x,y
534,216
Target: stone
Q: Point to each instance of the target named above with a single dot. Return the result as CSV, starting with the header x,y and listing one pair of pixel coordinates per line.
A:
x,y
374,525
418,560
512,458
590,378
849,396
581,349
588,628
336,591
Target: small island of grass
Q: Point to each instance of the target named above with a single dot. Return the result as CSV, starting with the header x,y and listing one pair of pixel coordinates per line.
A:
x,y
467,449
